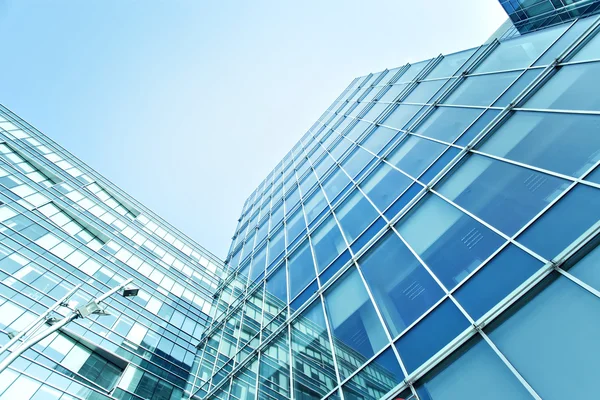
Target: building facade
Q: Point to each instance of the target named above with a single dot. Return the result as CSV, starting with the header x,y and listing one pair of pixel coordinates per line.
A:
x,y
531,15
62,224
432,236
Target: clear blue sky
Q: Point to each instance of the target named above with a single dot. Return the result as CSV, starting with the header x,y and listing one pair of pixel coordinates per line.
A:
x,y
187,105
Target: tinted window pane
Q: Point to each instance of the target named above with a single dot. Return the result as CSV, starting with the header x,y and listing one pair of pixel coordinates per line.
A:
x,y
450,64
564,143
555,329
414,155
356,161
376,379
573,87
499,277
564,222
301,269
276,245
378,139
356,329
295,225
447,123
450,242
400,116
520,52
315,205
277,289
504,195
327,242
587,269
475,372
402,288
355,214
424,91
335,183
274,372
430,335
314,373
481,90
384,185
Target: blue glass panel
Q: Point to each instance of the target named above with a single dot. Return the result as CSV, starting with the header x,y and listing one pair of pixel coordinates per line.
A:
x,y
400,116
314,373
277,286
401,287
384,185
521,51
258,263
553,341
393,92
356,161
517,87
481,90
276,215
570,217
368,234
377,139
292,199
423,92
335,266
301,269
357,130
335,183
295,225
374,112
496,280
403,200
450,64
304,296
450,242
488,377
354,215
565,143
340,148
376,379
276,245
430,335
439,164
314,205
504,195
594,176
327,243
414,154
573,87
590,50
566,39
587,269
477,127
413,71
447,123
354,322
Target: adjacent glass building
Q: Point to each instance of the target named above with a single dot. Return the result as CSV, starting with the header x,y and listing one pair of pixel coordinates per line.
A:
x,y
432,236
530,15
62,224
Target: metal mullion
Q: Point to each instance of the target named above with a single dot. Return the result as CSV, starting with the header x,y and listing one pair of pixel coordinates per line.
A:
x,y
558,111
578,62
330,337
291,354
258,360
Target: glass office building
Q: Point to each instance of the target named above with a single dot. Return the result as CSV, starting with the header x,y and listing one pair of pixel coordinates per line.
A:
x,y
432,236
530,15
62,224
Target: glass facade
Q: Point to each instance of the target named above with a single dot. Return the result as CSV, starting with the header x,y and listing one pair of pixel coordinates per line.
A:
x,y
432,236
531,15
62,225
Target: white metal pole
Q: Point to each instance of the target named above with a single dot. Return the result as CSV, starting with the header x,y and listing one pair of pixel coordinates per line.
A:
x,y
64,321
37,321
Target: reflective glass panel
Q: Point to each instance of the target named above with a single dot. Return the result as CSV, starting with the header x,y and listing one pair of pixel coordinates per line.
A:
x,y
564,143
554,329
473,372
327,243
384,185
504,195
301,269
447,123
413,155
481,90
450,242
401,287
314,373
357,332
355,214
